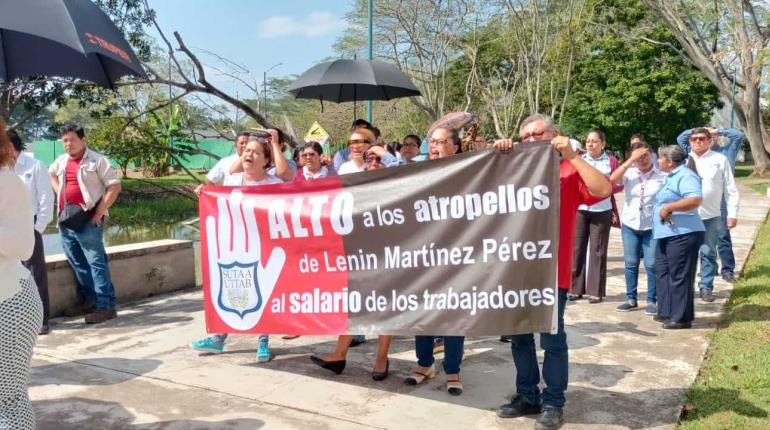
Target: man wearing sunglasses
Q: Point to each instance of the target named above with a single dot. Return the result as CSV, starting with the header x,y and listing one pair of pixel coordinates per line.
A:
x,y
718,186
730,150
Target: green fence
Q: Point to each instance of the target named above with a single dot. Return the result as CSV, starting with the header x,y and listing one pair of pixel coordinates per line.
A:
x,y
48,150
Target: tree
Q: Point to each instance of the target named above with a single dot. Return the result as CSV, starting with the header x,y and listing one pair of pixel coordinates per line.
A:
x,y
624,87
725,39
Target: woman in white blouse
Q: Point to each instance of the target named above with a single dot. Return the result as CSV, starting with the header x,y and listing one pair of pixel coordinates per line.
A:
x,y
641,180
21,312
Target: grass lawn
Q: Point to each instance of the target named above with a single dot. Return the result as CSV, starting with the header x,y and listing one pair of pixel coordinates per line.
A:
x,y
154,201
758,184
732,390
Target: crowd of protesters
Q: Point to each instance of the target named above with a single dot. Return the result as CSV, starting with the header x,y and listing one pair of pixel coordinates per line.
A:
x,y
679,207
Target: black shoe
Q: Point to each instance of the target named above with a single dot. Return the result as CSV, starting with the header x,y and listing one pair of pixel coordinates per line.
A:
x,y
355,342
706,295
594,300
550,419
660,318
45,329
506,338
335,366
517,408
671,325
729,277
380,376
573,297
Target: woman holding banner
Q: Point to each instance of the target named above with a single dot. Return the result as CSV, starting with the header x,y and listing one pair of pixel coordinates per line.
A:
x,y
443,143
255,159
363,156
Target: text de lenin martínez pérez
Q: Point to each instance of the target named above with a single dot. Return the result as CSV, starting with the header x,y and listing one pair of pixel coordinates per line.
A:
x,y
286,221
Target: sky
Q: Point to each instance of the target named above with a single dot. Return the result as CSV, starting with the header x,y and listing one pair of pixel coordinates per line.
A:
x,y
255,34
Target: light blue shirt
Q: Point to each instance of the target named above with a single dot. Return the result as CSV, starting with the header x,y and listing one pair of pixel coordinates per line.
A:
x,y
601,164
680,183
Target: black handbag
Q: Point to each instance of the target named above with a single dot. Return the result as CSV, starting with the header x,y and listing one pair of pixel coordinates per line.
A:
x,y
74,217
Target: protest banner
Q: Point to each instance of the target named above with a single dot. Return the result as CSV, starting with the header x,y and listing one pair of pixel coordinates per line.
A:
x,y
465,245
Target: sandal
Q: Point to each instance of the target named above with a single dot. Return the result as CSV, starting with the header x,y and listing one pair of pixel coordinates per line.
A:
x,y
417,378
454,386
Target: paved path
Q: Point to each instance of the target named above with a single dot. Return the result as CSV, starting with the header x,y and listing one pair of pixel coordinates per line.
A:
x,y
136,372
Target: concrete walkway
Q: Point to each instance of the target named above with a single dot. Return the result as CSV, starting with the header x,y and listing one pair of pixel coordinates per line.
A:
x,y
137,372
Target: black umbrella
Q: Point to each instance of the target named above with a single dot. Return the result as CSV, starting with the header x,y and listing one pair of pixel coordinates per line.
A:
x,y
68,38
353,80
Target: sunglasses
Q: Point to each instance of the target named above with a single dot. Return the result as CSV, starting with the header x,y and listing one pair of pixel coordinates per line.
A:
x,y
309,155
698,138
358,141
259,138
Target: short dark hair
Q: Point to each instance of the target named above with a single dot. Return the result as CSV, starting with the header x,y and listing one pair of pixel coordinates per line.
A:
x,y
72,128
242,134
360,123
376,132
314,145
18,145
701,130
597,131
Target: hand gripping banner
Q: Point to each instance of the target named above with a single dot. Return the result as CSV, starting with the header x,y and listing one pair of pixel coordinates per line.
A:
x,y
465,245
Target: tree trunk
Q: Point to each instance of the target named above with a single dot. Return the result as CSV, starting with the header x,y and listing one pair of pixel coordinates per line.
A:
x,y
753,115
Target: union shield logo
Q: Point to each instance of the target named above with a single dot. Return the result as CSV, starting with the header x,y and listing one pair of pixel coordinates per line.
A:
x,y
239,289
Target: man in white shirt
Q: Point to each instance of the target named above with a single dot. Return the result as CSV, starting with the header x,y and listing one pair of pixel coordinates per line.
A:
x,y
221,170
38,185
718,183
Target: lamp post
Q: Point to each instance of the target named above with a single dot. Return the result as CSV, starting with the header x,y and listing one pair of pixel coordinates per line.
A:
x,y
264,89
371,57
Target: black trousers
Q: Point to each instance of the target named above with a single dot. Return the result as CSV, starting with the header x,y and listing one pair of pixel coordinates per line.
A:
x,y
675,261
591,280
36,265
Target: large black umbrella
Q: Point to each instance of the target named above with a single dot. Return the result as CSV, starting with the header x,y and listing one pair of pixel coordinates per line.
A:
x,y
68,38
353,80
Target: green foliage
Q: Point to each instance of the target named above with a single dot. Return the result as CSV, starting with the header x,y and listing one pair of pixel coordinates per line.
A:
x,y
635,86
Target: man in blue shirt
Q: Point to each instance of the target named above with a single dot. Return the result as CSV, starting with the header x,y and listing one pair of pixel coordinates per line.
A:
x,y
734,140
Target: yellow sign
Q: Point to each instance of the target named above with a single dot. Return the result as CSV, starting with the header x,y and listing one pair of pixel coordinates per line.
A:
x,y
316,132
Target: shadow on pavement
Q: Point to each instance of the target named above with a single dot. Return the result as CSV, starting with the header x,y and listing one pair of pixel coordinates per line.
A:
x,y
81,372
76,413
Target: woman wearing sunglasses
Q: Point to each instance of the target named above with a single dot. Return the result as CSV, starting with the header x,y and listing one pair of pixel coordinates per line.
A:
x,y
360,146
363,156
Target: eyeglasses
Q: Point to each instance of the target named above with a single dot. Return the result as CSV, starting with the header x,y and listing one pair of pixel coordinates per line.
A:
x,y
537,135
439,142
698,138
373,159
308,155
358,141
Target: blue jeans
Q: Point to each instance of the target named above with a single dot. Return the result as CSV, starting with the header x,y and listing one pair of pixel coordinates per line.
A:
x,y
555,365
85,251
635,244
708,252
725,246
453,352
